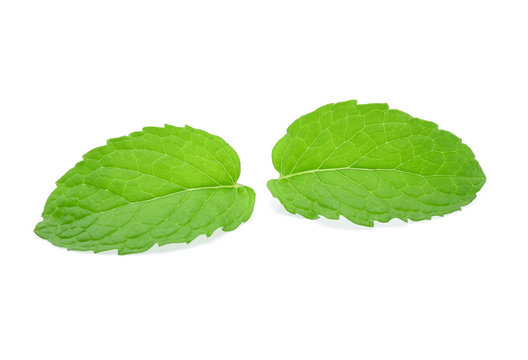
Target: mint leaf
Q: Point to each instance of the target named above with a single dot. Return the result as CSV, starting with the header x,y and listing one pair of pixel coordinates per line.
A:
x,y
368,163
160,185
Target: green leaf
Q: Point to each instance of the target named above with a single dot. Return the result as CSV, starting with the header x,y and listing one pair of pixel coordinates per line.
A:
x,y
368,163
160,185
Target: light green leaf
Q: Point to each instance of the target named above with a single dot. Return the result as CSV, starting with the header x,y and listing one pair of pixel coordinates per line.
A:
x,y
160,185
368,163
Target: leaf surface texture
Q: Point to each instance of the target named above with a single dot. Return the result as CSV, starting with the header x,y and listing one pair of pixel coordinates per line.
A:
x,y
371,163
160,185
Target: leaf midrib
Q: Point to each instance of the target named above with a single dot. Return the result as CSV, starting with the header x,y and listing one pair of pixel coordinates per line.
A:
x,y
366,169
234,186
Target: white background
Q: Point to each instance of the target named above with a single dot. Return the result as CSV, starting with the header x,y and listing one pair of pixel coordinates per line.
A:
x,y
75,73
